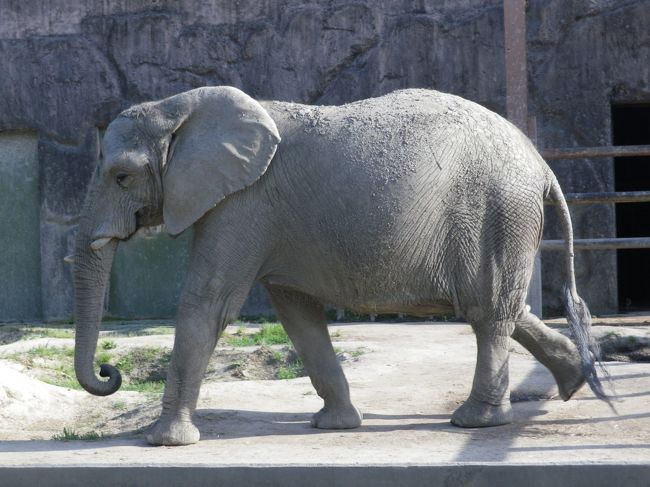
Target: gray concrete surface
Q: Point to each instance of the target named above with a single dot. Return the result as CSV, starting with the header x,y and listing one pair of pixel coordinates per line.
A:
x,y
408,380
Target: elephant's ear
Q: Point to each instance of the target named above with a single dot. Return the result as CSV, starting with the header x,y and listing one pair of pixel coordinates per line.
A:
x,y
223,142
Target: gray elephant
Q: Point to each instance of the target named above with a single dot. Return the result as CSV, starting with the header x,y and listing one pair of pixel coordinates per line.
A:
x,y
416,202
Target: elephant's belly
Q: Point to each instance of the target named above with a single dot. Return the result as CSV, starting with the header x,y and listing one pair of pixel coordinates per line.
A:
x,y
420,309
366,296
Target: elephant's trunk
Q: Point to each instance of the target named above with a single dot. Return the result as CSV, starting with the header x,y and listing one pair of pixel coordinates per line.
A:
x,y
91,273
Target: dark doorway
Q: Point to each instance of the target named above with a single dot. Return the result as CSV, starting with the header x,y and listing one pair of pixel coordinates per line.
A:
x,y
631,126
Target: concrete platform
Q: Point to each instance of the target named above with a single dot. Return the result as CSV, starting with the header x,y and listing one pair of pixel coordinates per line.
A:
x,y
407,379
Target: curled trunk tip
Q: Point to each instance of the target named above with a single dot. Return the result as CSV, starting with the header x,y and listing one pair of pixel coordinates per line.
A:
x,y
98,387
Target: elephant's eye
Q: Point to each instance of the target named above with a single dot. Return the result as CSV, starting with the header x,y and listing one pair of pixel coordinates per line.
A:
x,y
120,179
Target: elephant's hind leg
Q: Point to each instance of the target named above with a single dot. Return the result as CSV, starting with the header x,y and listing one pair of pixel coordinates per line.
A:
x,y
553,350
489,402
304,320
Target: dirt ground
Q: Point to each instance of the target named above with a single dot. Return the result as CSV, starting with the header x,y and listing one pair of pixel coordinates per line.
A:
x,y
406,378
37,364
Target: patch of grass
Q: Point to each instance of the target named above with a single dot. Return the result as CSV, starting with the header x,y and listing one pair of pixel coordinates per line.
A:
x,y
102,357
119,405
291,366
240,338
358,352
49,352
59,332
143,369
271,334
108,345
291,371
154,387
268,334
72,435
54,365
126,330
125,364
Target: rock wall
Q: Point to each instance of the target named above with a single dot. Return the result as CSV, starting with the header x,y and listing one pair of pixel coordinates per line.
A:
x,y
584,56
69,67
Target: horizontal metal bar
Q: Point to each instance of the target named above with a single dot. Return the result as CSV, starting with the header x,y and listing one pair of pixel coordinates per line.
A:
x,y
599,243
606,197
588,152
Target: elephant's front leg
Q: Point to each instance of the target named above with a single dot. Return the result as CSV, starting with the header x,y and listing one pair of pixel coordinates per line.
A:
x,y
304,320
203,313
489,402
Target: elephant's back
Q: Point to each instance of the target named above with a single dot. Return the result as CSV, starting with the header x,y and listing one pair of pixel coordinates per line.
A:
x,y
410,156
374,190
415,126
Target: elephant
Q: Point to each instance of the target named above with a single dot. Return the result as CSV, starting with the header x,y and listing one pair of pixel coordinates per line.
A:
x,y
416,202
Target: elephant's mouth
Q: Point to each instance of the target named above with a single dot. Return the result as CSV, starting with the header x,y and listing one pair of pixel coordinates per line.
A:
x,y
144,217
147,216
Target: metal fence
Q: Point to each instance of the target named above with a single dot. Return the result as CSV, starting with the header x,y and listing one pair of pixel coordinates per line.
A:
x,y
602,197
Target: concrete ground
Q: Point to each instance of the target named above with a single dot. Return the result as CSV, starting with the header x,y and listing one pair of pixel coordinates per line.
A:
x,y
407,380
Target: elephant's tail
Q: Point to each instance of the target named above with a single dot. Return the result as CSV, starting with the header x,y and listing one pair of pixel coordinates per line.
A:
x,y
577,312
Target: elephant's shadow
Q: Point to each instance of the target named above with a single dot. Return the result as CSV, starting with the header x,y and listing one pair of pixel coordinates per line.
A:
x,y
227,424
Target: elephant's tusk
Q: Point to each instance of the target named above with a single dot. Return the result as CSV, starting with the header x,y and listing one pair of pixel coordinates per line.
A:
x,y
100,242
68,259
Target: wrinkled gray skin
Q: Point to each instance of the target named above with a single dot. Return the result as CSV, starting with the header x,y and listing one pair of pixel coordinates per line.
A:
x,y
417,202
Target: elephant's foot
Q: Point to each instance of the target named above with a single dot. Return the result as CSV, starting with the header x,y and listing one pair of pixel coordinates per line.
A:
x,y
173,433
337,418
569,380
477,414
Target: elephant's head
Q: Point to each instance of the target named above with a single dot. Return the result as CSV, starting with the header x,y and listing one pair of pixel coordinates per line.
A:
x,y
163,162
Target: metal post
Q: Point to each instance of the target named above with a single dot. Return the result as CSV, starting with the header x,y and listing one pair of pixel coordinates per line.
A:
x,y
514,24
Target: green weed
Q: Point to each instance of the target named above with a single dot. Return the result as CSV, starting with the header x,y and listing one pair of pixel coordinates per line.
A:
x,y
119,405
268,334
49,352
72,435
155,387
291,371
143,369
108,345
240,338
358,352
102,357
271,334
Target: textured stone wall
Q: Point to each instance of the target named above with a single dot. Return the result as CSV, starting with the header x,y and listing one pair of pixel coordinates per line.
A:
x,y
584,56
70,66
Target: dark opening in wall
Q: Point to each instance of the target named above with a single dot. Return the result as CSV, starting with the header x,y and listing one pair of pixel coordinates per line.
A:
x,y
631,126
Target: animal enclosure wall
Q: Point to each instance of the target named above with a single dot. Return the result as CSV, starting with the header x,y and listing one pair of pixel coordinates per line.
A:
x,y
20,283
72,66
